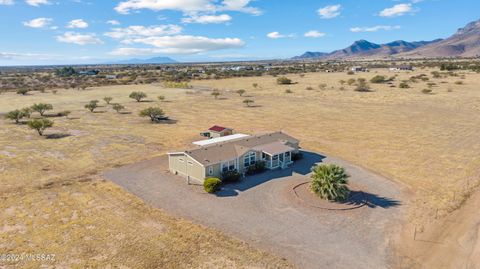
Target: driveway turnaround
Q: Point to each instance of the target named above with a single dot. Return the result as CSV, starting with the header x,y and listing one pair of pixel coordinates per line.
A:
x,y
264,211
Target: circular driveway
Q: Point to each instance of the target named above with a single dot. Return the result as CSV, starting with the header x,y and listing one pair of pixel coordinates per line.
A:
x,y
263,211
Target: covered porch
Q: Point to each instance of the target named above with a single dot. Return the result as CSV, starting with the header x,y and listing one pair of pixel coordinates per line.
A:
x,y
276,155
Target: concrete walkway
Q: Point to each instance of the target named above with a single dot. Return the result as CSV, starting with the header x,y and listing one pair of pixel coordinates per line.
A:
x,y
263,211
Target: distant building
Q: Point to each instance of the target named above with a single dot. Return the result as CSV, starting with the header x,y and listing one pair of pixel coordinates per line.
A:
x,y
401,68
111,76
88,72
359,69
217,131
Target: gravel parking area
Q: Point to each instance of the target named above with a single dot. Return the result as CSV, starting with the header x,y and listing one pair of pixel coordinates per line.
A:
x,y
264,211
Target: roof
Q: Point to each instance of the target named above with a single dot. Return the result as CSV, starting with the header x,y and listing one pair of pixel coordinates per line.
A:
x,y
217,128
273,148
219,139
224,151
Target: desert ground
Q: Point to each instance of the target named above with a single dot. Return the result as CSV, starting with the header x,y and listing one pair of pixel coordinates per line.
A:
x,y
54,201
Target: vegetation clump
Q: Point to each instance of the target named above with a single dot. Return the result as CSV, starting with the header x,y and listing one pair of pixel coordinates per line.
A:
x,y
40,125
248,102
212,184
118,107
156,114
22,91
41,108
378,79
138,96
15,115
284,81
92,105
329,182
231,176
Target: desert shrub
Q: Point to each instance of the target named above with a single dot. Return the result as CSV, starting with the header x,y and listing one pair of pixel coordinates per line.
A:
x,y
404,85
431,84
322,86
212,184
15,115
342,88
342,82
40,125
216,94
161,98
41,108
284,81
351,81
22,91
54,91
241,92
329,182
459,82
231,176
427,91
118,107
155,113
436,74
248,102
350,73
107,99
64,113
296,156
177,85
255,85
92,105
309,88
288,91
138,96
362,86
257,168
378,79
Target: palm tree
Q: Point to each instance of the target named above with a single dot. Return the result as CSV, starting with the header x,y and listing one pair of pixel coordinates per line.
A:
x,y
329,182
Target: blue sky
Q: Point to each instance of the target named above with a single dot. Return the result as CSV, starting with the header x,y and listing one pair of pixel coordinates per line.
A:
x,y
89,31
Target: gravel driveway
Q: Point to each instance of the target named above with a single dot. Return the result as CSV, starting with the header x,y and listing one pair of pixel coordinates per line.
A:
x,y
263,211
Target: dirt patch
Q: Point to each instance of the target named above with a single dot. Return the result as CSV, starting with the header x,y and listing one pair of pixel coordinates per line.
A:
x,y
356,198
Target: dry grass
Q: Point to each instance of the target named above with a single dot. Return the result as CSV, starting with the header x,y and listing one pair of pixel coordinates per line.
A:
x,y
428,142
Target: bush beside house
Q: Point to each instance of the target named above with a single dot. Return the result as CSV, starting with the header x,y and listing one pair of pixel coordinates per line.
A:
x,y
211,185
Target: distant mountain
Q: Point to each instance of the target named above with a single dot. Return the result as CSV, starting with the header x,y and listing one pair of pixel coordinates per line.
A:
x,y
464,43
366,49
310,54
155,60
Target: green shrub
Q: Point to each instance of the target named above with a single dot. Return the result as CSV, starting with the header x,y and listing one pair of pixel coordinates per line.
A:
x,y
257,168
211,185
378,79
138,96
329,182
404,85
427,91
22,91
284,81
231,176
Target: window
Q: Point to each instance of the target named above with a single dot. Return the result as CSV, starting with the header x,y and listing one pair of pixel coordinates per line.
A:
x,y
190,163
287,154
210,170
249,159
228,166
180,160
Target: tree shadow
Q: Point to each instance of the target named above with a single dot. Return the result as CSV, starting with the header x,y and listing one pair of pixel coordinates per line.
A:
x,y
254,106
57,136
361,198
99,112
125,112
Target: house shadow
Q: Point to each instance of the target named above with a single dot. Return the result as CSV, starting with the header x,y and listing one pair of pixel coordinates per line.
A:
x,y
302,167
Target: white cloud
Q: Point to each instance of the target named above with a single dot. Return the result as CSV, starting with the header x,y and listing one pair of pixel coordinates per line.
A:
x,y
79,23
397,10
79,39
329,12
206,19
138,31
182,44
187,6
6,2
24,56
113,22
314,34
277,35
38,22
374,28
37,3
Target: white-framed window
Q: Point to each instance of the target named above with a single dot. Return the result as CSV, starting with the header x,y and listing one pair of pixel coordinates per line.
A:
x,y
190,163
249,159
210,170
228,166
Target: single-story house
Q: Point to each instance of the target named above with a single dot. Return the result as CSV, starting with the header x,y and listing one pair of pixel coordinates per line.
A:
x,y
233,153
359,69
217,131
401,68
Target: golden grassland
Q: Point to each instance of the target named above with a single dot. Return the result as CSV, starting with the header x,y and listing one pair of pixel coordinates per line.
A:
x,y
53,201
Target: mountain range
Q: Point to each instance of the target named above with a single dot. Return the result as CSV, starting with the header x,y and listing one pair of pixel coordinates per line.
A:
x,y
464,43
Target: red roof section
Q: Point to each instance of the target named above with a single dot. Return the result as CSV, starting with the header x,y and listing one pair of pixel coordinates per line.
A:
x,y
217,128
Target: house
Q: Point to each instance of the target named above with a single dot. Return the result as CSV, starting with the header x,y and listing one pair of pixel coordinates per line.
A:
x,y
233,153
359,69
401,68
217,131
